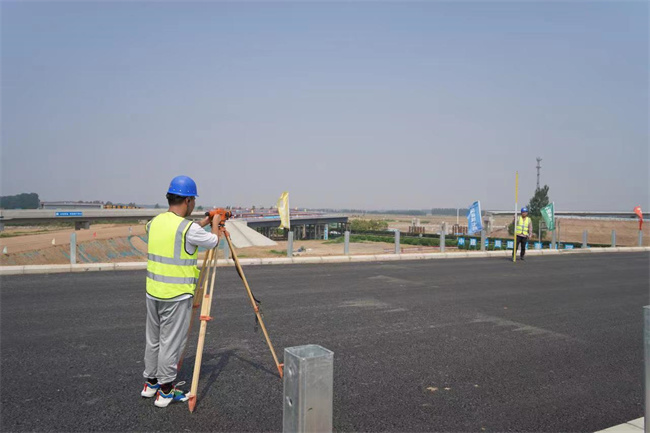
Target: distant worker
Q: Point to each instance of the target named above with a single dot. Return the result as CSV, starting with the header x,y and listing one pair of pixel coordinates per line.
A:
x,y
172,275
523,230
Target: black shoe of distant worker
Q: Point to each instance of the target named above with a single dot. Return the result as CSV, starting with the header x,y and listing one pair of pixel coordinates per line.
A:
x,y
521,258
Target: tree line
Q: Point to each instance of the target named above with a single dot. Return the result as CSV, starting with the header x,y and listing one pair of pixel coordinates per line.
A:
x,y
20,201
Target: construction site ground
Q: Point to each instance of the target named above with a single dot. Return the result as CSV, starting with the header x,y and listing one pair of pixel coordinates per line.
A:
x,y
126,242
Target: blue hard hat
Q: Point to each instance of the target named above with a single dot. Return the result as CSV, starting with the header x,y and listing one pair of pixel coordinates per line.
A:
x,y
524,209
183,186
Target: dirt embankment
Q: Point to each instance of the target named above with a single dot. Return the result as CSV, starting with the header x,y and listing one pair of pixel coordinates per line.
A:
x,y
102,243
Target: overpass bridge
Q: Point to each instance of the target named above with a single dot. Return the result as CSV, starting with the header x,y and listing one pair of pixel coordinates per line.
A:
x,y
305,225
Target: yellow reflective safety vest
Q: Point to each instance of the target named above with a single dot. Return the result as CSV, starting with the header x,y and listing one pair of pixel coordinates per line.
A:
x,y
522,226
171,271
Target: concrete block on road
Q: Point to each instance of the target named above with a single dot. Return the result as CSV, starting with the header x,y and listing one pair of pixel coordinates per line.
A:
x,y
336,259
634,249
367,258
246,262
413,257
88,267
307,260
277,261
623,428
46,269
12,270
637,422
386,257
130,266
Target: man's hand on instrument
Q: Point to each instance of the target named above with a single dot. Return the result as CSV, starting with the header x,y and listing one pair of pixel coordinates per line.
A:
x,y
205,221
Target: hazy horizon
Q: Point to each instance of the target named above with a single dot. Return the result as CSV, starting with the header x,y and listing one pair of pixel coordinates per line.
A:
x,y
360,105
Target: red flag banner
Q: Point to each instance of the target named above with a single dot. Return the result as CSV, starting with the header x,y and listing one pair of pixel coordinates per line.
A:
x,y
639,213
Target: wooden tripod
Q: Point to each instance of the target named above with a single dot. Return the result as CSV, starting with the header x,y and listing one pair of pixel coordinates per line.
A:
x,y
204,295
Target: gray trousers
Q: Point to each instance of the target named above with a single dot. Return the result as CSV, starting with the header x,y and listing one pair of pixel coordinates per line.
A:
x,y
166,332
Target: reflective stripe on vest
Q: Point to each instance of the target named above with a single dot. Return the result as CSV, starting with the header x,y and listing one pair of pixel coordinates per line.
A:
x,y
171,271
522,226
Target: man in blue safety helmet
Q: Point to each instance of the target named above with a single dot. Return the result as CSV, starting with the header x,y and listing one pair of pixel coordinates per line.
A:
x,y
172,275
523,230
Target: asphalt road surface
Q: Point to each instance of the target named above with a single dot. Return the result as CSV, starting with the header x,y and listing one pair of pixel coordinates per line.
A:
x,y
552,344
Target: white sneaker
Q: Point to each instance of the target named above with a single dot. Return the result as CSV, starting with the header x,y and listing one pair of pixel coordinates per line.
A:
x,y
150,390
164,400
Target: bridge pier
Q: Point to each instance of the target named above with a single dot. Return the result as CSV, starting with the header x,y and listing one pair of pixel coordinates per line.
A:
x,y
78,225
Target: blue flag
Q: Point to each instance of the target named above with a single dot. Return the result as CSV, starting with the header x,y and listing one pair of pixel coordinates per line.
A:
x,y
474,223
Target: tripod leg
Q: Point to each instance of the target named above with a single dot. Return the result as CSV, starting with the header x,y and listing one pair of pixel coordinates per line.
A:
x,y
204,317
254,304
198,295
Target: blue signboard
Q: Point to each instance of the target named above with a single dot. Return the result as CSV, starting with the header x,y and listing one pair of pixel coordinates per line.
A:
x,y
497,243
510,245
68,214
568,246
538,245
472,242
461,241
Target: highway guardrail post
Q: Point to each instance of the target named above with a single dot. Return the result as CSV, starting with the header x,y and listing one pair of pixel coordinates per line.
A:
x,y
397,249
443,232
73,248
646,339
553,241
613,238
290,244
584,239
482,240
346,245
308,389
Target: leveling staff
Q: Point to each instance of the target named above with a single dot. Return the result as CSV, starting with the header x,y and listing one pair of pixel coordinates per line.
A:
x,y
171,280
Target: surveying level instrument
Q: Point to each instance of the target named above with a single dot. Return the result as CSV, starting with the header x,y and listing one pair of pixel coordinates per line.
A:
x,y
203,297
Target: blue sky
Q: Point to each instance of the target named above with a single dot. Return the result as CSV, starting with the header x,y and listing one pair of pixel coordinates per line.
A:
x,y
369,105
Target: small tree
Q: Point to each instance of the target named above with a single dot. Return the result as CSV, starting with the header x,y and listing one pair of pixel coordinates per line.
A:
x,y
157,206
538,201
